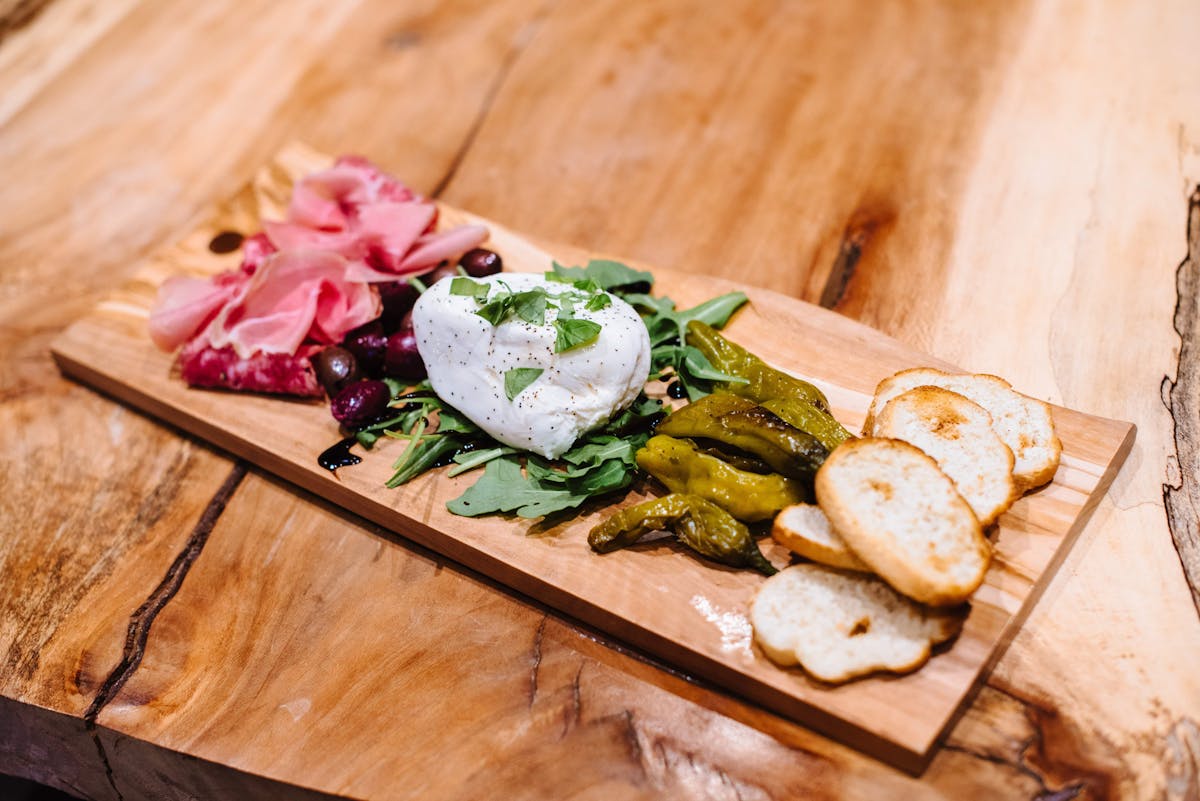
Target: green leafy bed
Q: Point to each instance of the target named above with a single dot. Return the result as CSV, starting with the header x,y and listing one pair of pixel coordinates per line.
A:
x,y
600,462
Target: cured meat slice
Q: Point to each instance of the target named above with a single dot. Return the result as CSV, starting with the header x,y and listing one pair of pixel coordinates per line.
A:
x,y
279,373
304,282
185,305
434,248
295,295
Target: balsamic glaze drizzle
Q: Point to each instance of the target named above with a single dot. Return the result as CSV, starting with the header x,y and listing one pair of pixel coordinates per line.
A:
x,y
339,455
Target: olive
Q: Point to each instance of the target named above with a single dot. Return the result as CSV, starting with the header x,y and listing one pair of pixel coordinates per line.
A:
x,y
480,262
360,403
443,270
398,297
336,367
403,360
368,343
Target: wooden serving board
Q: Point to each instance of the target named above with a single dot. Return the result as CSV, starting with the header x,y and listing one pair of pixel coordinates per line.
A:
x,y
683,610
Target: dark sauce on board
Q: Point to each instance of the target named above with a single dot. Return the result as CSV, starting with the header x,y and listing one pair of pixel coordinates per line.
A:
x,y
339,455
226,242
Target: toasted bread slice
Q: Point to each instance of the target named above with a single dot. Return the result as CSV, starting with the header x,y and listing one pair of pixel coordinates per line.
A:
x,y
1026,425
902,516
804,529
958,434
838,625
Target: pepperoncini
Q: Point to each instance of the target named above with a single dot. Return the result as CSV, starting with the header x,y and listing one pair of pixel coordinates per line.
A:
x,y
682,468
743,424
699,524
793,399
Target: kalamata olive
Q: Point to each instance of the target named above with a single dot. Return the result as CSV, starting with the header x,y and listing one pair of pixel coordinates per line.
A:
x,y
336,367
368,343
403,360
398,297
480,262
441,271
360,403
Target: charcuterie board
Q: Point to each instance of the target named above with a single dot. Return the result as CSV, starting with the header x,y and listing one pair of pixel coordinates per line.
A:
x,y
689,613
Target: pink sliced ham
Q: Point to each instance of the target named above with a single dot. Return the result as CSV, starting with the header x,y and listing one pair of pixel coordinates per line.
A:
x,y
185,305
255,250
304,281
295,295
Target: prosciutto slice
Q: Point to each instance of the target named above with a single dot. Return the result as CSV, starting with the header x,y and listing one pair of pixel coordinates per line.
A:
x,y
186,305
295,295
304,282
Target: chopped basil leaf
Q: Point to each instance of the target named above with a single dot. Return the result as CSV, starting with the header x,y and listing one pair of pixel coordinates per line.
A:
x,y
494,311
530,306
518,378
573,333
600,300
469,288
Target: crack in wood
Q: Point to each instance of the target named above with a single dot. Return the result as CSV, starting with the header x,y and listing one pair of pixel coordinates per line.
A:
x,y
108,771
635,744
537,659
138,631
577,696
143,618
19,15
520,43
1044,793
860,230
1182,399
1036,749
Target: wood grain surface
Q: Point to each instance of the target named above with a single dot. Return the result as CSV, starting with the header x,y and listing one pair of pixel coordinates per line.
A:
x,y
692,615
1004,184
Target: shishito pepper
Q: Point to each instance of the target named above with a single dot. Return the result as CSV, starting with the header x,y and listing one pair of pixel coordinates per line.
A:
x,y
793,399
682,468
699,524
743,424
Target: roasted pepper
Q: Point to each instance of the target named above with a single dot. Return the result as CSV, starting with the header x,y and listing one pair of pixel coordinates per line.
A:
x,y
793,399
743,424
699,524
681,467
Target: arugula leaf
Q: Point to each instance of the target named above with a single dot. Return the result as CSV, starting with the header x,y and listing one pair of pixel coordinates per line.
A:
x,y
573,333
600,448
715,311
469,287
469,460
452,421
518,378
504,488
667,327
421,455
606,273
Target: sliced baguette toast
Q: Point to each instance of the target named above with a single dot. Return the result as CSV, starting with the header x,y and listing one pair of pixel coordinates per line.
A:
x,y
958,434
838,625
805,529
902,516
1024,424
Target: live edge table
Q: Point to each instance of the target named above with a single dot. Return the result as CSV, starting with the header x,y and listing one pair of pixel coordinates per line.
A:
x,y
1011,187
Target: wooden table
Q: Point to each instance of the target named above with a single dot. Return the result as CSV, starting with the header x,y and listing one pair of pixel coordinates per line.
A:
x,y
1010,186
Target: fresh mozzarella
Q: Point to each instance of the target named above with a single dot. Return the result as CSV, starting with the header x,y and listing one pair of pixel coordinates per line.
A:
x,y
578,389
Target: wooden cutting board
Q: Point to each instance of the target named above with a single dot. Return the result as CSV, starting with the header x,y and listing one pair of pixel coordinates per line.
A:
x,y
685,611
